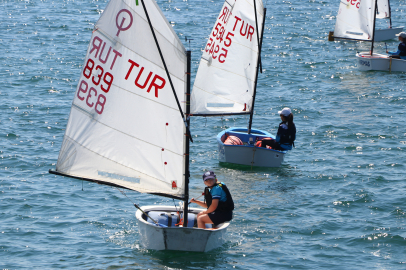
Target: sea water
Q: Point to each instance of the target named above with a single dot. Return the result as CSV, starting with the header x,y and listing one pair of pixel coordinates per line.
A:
x,y
337,202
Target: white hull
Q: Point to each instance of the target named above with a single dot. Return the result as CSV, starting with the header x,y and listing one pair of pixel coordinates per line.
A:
x,y
248,154
386,34
178,238
379,62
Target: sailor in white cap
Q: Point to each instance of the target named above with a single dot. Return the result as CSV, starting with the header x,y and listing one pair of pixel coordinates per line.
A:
x,y
286,133
401,53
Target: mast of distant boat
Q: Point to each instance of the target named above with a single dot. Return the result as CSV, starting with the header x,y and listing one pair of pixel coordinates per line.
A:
x,y
373,33
258,63
390,15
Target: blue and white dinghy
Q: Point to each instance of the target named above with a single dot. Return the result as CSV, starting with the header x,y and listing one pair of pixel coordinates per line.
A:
x,y
226,80
127,126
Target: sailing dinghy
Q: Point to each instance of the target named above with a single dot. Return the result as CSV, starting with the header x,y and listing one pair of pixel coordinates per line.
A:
x,y
357,22
226,81
128,127
345,16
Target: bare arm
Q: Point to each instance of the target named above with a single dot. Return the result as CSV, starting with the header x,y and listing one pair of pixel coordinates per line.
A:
x,y
212,207
202,204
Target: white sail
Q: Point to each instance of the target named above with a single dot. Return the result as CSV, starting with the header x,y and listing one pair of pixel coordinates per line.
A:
x,y
125,127
355,20
383,9
225,79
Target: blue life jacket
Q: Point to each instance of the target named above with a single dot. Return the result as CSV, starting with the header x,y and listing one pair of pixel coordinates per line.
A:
x,y
286,136
226,206
402,49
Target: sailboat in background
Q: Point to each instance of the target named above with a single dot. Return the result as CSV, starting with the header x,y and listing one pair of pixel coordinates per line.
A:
x,y
128,127
383,11
226,81
347,18
357,22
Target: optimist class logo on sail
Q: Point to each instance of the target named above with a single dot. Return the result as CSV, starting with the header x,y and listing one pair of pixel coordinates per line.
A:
x,y
98,72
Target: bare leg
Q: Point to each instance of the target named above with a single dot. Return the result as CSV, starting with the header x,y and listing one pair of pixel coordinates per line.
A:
x,y
202,220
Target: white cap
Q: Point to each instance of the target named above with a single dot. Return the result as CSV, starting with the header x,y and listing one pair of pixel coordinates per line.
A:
x,y
401,34
285,112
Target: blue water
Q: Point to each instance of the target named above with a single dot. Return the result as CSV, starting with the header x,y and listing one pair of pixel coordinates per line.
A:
x,y
336,203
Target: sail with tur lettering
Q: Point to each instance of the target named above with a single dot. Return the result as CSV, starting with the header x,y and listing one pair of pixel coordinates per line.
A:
x,y
355,20
225,80
125,128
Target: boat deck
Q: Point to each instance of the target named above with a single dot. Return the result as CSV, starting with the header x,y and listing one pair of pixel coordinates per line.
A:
x,y
172,219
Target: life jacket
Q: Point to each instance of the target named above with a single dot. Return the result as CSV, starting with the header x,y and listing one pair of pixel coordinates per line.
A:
x,y
402,49
226,206
287,136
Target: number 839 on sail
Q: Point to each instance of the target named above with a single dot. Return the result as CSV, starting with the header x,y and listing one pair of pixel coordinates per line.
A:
x,y
98,82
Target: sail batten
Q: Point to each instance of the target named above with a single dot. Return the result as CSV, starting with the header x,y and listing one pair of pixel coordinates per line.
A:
x,y
229,59
124,127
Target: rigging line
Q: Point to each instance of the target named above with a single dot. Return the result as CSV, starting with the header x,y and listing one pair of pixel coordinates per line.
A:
x,y
259,46
136,206
175,204
167,72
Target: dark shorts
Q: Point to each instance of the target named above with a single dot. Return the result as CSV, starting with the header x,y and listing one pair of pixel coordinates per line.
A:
x,y
271,143
220,217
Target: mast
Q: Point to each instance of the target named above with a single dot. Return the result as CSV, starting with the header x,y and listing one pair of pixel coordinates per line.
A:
x,y
259,58
187,142
166,69
373,33
390,15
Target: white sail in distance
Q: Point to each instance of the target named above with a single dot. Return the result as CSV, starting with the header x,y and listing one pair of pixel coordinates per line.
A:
x,y
383,9
125,128
225,80
355,20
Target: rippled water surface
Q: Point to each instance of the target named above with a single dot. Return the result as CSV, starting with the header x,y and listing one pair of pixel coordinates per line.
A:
x,y
338,201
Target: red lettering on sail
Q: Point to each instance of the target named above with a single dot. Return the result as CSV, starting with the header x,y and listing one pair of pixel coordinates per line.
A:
x,y
157,82
355,3
96,47
146,81
242,27
101,53
131,68
250,32
153,84
236,22
224,15
115,57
